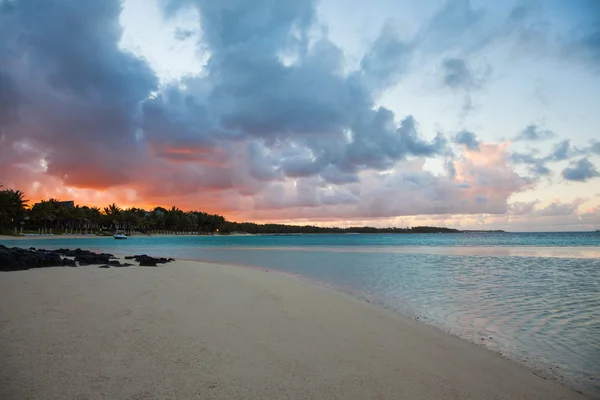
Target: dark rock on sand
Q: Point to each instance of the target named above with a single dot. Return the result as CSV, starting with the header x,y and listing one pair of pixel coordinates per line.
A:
x,y
89,257
8,262
17,259
147,261
67,262
53,260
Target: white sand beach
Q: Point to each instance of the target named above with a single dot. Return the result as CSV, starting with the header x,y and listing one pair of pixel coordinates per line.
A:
x,y
202,331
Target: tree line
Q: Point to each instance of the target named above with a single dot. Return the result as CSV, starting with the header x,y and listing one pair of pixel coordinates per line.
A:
x,y
52,215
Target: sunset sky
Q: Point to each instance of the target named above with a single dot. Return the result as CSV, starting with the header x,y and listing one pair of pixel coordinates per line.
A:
x,y
468,114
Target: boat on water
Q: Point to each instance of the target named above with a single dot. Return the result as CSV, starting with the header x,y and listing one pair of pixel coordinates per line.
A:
x,y
120,235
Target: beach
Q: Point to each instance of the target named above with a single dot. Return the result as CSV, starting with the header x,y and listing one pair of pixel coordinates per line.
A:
x,y
207,331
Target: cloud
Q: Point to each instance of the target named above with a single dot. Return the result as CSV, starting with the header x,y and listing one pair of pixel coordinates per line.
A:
x,y
534,133
468,139
557,208
183,34
387,59
536,165
75,92
522,207
562,151
593,148
455,24
249,92
580,171
457,75
583,43
276,126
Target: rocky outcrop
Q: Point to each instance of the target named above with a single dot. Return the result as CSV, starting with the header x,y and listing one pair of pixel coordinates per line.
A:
x,y
18,259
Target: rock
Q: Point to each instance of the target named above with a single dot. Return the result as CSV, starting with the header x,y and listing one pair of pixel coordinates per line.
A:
x,y
67,262
29,259
89,257
17,259
53,260
8,262
121,265
147,262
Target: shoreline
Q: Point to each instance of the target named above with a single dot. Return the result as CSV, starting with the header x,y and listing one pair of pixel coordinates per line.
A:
x,y
299,326
49,237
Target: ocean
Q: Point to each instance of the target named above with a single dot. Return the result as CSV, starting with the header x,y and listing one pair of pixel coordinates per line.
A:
x,y
532,297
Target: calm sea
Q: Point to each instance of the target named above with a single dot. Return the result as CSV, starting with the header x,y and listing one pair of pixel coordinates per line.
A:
x,y
533,297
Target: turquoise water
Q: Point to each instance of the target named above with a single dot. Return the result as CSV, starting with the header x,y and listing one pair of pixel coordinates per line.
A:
x,y
533,297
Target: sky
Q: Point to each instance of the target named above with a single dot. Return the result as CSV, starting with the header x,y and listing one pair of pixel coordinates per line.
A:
x,y
458,113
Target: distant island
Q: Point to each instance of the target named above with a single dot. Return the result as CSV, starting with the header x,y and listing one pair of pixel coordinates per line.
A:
x,y
60,217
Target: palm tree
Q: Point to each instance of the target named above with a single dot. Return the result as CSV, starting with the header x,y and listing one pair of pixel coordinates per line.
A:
x,y
12,205
113,212
45,210
77,215
130,219
91,217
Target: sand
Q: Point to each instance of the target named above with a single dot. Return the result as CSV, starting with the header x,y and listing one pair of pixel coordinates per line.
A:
x,y
203,331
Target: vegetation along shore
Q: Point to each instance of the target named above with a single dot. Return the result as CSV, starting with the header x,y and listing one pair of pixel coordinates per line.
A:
x,y
18,217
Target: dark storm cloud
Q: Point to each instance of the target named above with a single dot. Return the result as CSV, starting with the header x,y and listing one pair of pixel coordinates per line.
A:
x,y
534,133
79,94
468,139
313,118
263,25
268,113
580,171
